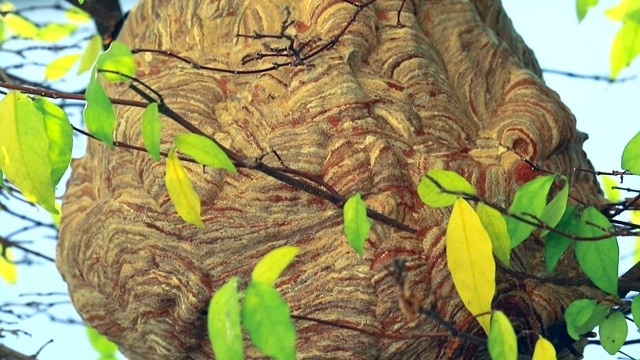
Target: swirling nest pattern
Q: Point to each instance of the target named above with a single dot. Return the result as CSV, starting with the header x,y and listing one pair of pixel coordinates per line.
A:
x,y
370,115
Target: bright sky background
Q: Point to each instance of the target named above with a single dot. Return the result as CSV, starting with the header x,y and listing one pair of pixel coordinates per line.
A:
x,y
609,113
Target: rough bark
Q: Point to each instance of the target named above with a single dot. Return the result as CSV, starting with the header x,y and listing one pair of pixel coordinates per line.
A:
x,y
370,115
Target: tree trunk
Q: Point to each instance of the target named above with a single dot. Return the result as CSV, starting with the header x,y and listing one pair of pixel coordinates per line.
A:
x,y
453,88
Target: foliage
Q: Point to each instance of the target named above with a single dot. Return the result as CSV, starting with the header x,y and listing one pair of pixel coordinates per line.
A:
x,y
38,133
264,313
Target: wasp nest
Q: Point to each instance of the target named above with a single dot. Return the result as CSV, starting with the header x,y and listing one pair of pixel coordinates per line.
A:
x,y
453,87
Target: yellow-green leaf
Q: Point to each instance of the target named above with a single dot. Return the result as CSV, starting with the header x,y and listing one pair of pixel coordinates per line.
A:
x,y
8,269
271,266
631,155
267,318
625,47
57,68
181,192
56,217
582,6
356,222
117,58
502,341
60,135
53,32
471,262
608,184
98,112
21,27
223,322
544,350
100,343
24,146
495,225
554,210
94,47
78,15
431,195
635,310
152,130
204,151
613,332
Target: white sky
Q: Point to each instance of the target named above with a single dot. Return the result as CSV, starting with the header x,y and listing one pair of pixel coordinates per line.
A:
x,y
610,114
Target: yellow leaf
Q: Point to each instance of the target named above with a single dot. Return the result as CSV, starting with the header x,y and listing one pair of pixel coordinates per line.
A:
x,y
59,67
8,269
180,188
608,182
53,32
544,350
617,12
635,219
21,27
77,15
471,262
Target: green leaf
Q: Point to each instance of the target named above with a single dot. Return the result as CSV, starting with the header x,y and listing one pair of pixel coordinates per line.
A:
x,y
2,184
582,6
98,112
60,135
583,316
531,199
152,130
613,332
544,350
431,195
21,27
24,146
204,151
100,343
554,210
78,15
631,155
94,47
356,222
493,221
598,259
180,188
266,317
223,322
117,58
53,32
502,340
57,68
608,184
635,310
556,244
271,266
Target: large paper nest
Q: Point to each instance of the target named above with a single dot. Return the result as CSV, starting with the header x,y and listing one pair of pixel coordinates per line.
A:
x,y
453,88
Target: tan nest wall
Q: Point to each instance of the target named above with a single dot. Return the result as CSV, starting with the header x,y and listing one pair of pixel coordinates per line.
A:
x,y
370,115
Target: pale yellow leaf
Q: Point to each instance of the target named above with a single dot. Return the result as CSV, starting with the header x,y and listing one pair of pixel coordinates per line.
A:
x,y
181,192
544,350
471,262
